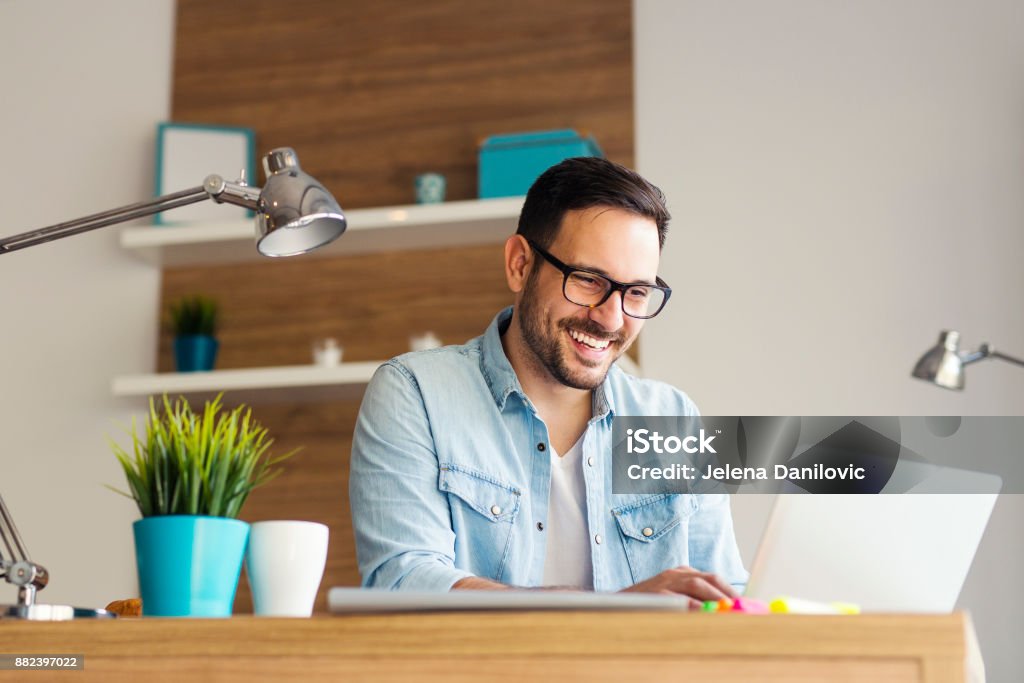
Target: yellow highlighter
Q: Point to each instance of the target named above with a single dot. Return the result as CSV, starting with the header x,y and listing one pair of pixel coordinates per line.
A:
x,y
788,605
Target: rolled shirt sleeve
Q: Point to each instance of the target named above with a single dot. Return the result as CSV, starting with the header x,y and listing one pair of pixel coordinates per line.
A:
x,y
402,520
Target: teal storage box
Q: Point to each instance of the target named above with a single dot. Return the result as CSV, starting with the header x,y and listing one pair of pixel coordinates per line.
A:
x,y
510,163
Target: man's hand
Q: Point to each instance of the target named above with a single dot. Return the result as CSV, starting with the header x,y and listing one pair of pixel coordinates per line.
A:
x,y
696,585
475,583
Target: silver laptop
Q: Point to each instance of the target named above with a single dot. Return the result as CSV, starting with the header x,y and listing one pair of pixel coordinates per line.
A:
x,y
905,552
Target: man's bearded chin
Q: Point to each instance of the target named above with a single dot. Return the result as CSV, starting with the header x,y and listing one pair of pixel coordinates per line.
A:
x,y
549,351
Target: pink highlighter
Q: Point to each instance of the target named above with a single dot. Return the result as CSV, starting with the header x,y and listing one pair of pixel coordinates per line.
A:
x,y
749,606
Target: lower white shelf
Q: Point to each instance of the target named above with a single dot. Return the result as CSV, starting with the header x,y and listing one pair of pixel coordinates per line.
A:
x,y
286,384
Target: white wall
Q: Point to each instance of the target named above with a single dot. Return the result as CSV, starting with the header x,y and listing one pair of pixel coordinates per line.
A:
x,y
846,179
83,86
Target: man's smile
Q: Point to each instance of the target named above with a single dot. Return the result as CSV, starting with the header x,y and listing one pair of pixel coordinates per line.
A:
x,y
588,341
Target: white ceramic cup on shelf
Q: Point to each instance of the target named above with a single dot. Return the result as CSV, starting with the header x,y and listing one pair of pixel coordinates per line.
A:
x,y
327,352
424,342
285,564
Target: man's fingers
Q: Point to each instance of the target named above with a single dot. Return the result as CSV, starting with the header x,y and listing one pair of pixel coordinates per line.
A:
x,y
698,584
722,585
697,587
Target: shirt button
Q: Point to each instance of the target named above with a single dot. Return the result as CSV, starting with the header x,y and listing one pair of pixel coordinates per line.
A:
x,y
495,510
598,539
590,461
541,446
540,526
648,531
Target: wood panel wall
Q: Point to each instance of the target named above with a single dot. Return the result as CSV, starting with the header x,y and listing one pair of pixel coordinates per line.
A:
x,y
370,95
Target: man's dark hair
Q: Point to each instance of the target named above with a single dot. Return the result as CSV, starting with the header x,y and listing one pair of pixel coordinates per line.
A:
x,y
582,183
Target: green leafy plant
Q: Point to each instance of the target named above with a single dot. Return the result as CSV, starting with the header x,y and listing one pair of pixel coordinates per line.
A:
x,y
194,315
196,464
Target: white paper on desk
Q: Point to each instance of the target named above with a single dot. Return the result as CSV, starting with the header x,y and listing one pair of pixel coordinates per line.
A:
x,y
353,600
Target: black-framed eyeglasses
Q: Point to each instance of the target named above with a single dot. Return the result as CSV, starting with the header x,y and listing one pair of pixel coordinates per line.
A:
x,y
586,288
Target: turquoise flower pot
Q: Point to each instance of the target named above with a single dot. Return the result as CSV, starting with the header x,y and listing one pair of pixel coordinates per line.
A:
x,y
195,352
189,565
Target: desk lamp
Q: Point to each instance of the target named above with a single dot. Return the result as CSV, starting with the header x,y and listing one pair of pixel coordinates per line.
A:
x,y
294,214
944,363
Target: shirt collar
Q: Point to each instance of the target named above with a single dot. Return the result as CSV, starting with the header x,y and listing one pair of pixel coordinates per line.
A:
x,y
502,380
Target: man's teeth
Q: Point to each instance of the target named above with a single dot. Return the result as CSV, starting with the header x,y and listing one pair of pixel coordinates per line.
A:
x,y
598,344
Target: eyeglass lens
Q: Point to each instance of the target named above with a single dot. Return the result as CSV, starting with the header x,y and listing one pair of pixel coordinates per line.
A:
x,y
587,289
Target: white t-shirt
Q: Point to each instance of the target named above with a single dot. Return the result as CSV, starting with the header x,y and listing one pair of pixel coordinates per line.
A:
x,y
567,561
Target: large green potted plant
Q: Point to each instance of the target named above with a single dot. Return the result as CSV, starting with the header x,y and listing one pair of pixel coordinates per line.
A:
x,y
189,474
193,322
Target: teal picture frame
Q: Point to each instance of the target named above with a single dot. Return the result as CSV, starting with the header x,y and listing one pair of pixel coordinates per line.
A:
x,y
187,152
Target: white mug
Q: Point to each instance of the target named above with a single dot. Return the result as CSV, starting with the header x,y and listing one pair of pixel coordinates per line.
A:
x,y
423,342
285,563
327,352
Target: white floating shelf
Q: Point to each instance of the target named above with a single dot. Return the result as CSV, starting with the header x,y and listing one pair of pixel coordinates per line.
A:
x,y
294,383
416,226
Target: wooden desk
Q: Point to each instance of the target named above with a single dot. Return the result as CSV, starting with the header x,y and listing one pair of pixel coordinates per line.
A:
x,y
512,647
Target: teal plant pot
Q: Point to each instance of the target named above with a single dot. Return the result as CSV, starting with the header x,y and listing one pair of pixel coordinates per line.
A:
x,y
189,565
195,352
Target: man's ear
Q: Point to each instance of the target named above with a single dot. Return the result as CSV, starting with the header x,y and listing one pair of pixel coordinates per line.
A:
x,y
518,261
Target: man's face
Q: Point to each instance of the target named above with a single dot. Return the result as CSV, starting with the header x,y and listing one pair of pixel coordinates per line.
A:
x,y
574,344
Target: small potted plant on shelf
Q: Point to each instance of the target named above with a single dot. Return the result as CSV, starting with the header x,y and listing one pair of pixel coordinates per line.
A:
x,y
193,321
190,474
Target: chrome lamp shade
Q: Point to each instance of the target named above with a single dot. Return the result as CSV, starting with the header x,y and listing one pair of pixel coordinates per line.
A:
x,y
295,214
942,364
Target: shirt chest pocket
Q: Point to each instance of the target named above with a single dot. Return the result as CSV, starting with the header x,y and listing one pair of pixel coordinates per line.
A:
x,y
653,531
483,510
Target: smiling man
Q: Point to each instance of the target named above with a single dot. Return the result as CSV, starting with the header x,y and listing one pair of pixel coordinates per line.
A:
x,y
488,465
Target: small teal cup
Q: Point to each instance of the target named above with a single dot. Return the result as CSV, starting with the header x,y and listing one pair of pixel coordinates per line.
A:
x,y
189,565
195,352
430,188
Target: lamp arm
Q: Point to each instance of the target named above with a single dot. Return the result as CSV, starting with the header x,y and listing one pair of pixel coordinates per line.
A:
x,y
968,357
99,220
214,187
225,192
1003,356
986,351
9,536
19,569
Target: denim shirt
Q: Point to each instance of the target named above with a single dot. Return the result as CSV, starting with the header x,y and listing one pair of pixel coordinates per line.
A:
x,y
451,473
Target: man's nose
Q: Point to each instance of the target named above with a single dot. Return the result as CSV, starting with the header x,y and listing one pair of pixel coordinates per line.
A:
x,y
609,314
